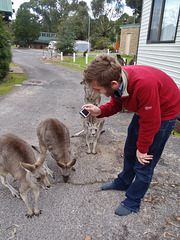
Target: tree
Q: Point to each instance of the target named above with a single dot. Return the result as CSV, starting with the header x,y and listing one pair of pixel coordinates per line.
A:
x,y
66,38
137,6
26,27
74,27
105,11
80,21
109,8
5,49
52,12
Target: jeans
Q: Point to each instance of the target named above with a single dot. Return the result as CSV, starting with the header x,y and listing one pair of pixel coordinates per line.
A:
x,y
135,177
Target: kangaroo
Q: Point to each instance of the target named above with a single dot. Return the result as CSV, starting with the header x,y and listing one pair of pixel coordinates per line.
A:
x,y
93,128
54,136
90,96
18,159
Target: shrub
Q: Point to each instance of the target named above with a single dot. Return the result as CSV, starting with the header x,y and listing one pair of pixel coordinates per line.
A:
x,y
5,50
111,48
102,43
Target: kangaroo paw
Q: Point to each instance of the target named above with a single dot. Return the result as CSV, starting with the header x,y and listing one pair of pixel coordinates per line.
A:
x,y
29,214
37,213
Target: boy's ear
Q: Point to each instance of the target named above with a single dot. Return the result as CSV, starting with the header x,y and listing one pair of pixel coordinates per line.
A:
x,y
114,84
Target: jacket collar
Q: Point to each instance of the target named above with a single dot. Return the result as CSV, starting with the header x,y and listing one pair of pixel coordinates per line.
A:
x,y
122,92
125,83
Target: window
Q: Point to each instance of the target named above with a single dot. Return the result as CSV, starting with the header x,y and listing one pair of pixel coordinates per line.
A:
x,y
164,21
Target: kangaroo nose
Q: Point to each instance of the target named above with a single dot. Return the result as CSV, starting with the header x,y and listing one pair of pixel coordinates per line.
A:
x,y
65,178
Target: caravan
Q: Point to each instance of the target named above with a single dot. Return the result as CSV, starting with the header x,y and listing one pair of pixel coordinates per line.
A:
x,y
52,45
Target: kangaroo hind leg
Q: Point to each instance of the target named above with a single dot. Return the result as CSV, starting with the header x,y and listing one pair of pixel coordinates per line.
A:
x,y
4,181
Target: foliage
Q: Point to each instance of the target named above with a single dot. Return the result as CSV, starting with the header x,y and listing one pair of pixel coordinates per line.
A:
x,y
102,43
66,38
137,6
52,12
5,49
110,8
111,48
104,11
80,21
102,28
26,27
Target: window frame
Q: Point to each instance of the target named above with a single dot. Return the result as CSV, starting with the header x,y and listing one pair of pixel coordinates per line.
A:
x,y
160,25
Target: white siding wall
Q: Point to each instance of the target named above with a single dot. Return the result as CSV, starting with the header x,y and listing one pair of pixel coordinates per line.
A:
x,y
165,56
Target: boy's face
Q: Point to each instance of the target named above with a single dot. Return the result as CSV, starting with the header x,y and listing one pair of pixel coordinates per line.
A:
x,y
102,90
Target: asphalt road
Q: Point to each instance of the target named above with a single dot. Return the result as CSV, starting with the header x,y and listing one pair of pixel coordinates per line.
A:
x,y
78,209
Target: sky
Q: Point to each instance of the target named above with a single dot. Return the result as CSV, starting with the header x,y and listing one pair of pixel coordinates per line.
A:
x,y
17,4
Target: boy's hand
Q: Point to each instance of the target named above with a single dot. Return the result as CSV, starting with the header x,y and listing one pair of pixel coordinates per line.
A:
x,y
94,110
143,157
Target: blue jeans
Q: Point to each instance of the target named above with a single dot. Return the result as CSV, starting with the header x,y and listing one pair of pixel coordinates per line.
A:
x,y
135,177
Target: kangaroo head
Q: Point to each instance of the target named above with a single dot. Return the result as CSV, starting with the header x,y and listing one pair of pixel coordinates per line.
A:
x,y
37,173
93,128
66,169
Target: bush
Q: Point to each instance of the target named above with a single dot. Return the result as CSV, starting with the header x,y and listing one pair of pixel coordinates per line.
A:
x,y
111,48
102,43
5,50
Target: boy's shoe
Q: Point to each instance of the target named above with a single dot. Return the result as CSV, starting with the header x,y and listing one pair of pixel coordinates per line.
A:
x,y
122,210
109,186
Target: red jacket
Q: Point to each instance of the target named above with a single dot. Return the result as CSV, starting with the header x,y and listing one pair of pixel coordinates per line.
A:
x,y
153,95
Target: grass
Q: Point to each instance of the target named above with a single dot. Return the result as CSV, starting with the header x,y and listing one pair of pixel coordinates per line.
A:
x,y
174,132
81,61
10,82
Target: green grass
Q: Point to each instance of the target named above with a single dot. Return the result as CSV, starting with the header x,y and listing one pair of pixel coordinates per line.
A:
x,y
81,61
174,132
10,82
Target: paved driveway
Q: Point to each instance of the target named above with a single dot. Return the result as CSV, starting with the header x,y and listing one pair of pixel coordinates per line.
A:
x,y
79,208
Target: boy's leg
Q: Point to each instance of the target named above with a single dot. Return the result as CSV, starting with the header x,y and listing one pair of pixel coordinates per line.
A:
x,y
144,173
126,177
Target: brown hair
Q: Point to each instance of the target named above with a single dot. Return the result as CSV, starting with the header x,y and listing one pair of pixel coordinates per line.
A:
x,y
103,69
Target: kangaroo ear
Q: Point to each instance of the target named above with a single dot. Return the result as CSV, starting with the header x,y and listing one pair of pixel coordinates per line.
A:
x,y
97,124
40,160
62,165
28,167
70,164
88,124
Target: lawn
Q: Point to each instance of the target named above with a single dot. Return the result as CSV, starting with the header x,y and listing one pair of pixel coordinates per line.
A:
x,y
81,61
10,82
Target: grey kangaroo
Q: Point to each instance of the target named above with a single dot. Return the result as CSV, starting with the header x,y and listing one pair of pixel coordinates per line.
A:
x,y
92,127
18,159
54,136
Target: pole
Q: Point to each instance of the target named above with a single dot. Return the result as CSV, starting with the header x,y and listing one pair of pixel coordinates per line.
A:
x,y
88,33
61,56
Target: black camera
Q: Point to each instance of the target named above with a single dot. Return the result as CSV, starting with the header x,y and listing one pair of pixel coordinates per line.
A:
x,y
84,113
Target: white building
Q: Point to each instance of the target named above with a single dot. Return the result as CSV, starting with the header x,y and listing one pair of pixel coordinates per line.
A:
x,y
159,39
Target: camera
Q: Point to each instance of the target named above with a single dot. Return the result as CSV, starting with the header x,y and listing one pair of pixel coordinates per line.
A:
x,y
84,113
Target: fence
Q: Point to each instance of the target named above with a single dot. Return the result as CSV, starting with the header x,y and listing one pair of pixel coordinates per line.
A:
x,y
53,54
